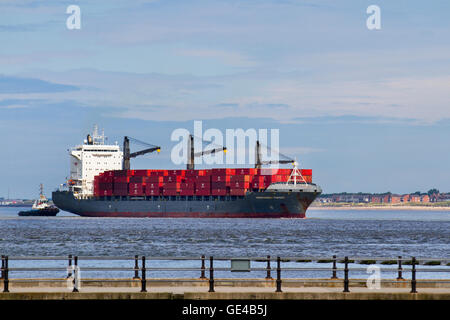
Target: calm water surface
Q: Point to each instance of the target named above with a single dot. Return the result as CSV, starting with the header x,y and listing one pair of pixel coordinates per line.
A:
x,y
323,233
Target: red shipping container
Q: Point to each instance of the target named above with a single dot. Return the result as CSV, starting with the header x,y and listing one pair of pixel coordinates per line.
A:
x,y
240,178
222,172
219,192
105,186
238,192
173,178
256,185
152,191
218,185
109,173
244,171
172,185
106,179
153,179
187,192
220,178
176,172
106,193
267,171
136,192
121,179
203,185
187,185
203,178
190,173
137,179
239,185
123,192
153,185
170,192
140,173
306,172
121,186
203,192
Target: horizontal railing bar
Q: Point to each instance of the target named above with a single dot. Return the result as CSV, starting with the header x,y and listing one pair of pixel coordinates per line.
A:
x,y
37,258
38,269
106,269
174,258
256,259
174,269
105,258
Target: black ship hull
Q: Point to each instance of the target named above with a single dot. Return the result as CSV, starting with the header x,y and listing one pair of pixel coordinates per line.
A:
x,y
253,205
48,212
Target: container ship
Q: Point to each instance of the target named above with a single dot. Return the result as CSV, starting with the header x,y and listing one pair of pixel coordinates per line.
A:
x,y
101,184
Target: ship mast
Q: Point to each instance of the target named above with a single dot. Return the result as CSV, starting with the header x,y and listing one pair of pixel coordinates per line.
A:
x,y
41,192
294,174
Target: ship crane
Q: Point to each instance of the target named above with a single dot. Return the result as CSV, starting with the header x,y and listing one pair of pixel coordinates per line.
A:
x,y
295,176
192,154
127,155
259,162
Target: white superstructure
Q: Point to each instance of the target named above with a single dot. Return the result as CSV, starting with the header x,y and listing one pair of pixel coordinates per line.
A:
x,y
89,160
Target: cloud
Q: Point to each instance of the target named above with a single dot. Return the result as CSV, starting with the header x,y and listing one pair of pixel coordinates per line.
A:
x,y
227,57
281,97
14,85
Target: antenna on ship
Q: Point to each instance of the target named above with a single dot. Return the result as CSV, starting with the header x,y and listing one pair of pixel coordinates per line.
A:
x,y
41,192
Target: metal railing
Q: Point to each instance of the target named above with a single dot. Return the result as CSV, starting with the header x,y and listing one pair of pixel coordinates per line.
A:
x,y
139,268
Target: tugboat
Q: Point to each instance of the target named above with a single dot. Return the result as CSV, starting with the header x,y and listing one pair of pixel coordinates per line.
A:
x,y
41,207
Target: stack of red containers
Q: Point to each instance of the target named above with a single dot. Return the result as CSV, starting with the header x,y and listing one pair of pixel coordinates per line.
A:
x,y
216,182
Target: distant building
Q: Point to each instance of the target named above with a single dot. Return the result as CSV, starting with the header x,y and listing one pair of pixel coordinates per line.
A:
x,y
382,198
395,198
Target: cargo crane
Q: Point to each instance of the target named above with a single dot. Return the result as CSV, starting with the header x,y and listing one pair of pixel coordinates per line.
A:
x,y
127,155
192,154
259,162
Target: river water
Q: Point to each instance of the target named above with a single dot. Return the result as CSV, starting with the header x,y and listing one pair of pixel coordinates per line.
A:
x,y
356,233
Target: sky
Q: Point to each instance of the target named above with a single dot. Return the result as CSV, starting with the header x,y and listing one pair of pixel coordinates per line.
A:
x,y
367,110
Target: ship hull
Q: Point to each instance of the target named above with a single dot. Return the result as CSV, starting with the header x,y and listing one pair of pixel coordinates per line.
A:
x,y
253,205
50,212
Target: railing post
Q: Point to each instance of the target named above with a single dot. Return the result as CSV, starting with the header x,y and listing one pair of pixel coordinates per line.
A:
x,y
143,276
346,275
3,266
334,276
136,267
6,275
202,273
69,269
76,275
211,274
400,269
278,275
268,276
413,276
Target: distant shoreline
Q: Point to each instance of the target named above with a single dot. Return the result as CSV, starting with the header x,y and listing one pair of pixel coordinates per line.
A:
x,y
380,208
